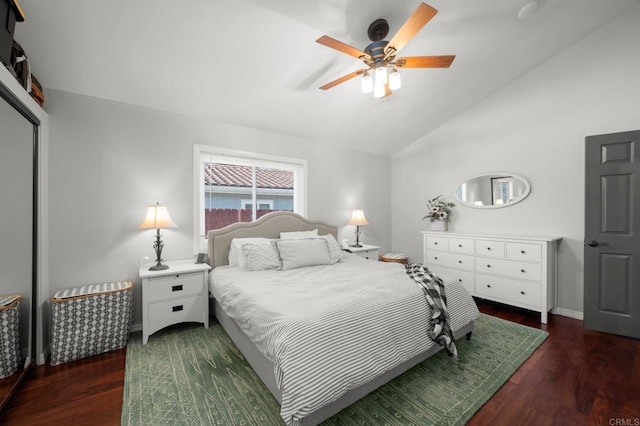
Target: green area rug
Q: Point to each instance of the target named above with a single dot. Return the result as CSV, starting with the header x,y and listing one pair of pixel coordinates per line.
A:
x,y
189,375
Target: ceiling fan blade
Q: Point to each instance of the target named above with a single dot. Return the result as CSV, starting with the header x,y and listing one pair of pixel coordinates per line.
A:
x,y
342,79
425,61
410,28
343,47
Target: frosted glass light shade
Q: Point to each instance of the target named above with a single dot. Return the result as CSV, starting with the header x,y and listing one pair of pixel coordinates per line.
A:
x,y
381,76
157,218
366,85
357,218
394,80
378,90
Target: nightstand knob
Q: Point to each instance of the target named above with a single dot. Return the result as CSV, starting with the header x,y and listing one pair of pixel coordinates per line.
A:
x,y
488,248
459,261
522,251
522,270
436,257
488,266
459,279
522,292
460,245
435,244
489,285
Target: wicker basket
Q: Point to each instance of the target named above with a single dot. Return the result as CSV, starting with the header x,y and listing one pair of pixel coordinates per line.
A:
x,y
90,320
392,257
9,335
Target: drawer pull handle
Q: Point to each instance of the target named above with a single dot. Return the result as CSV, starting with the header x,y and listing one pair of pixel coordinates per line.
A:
x,y
436,257
435,244
459,261
489,285
177,308
460,245
459,279
176,287
488,248
522,251
522,270
488,266
522,292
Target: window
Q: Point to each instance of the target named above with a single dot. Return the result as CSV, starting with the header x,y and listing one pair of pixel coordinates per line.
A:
x,y
232,186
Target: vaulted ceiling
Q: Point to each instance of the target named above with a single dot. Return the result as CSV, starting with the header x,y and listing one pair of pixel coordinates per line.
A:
x,y
256,63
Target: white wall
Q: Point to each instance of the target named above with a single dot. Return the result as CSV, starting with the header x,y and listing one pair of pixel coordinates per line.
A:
x,y
534,127
108,161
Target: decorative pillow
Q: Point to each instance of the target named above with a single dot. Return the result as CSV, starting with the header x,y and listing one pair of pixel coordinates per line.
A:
x,y
236,256
261,257
296,235
303,252
335,253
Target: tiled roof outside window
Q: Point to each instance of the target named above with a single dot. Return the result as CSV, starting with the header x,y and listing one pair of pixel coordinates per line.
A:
x,y
216,174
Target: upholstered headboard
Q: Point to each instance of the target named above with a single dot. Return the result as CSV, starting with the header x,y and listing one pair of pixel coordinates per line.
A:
x,y
268,226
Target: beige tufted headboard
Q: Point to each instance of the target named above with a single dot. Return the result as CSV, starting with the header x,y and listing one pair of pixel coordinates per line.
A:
x,y
268,226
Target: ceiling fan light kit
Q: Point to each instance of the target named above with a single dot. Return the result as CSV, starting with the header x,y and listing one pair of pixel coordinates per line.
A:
x,y
380,55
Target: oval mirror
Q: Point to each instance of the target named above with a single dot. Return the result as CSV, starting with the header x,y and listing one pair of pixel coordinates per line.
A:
x,y
493,190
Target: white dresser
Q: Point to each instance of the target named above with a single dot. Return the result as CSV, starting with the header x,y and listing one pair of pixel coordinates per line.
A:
x,y
516,270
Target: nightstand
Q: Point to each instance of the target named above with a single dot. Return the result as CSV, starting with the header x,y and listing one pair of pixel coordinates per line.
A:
x,y
174,295
366,251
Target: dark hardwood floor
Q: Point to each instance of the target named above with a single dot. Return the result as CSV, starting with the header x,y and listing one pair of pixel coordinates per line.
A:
x,y
577,377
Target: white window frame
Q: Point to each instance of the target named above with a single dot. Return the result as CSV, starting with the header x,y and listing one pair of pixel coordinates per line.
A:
x,y
244,158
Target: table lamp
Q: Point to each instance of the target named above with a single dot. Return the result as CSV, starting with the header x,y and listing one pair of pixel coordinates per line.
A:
x,y
358,220
158,218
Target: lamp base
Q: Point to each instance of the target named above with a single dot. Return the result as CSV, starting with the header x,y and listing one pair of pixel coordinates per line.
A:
x,y
158,267
355,245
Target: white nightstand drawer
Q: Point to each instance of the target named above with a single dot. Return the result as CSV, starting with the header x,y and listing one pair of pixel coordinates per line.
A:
x,y
368,254
173,286
466,278
524,251
508,290
490,248
451,260
437,243
461,245
509,268
176,310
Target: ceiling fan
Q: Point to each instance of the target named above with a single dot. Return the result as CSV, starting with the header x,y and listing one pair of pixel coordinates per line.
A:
x,y
380,55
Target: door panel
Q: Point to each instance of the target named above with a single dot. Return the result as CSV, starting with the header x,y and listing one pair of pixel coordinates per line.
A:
x,y
612,248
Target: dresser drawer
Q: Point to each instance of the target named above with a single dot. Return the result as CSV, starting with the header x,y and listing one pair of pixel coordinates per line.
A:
x,y
173,286
451,260
524,251
490,248
176,310
508,290
509,268
437,243
466,278
461,245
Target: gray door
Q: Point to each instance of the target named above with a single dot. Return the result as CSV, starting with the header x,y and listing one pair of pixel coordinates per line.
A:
x,y
612,230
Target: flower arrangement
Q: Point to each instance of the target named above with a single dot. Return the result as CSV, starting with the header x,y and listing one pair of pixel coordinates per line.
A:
x,y
439,209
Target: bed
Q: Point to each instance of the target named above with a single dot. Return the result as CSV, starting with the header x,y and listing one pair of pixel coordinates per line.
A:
x,y
321,337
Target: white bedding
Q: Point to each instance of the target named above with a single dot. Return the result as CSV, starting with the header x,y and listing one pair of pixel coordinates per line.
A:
x,y
328,329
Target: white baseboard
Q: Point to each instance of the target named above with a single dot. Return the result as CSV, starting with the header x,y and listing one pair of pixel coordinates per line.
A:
x,y
42,358
569,313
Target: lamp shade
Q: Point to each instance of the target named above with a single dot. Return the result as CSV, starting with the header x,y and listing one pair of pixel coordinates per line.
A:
x,y
357,218
157,218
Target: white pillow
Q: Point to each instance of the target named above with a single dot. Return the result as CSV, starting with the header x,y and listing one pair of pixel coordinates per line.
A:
x,y
303,252
261,257
296,235
236,256
335,253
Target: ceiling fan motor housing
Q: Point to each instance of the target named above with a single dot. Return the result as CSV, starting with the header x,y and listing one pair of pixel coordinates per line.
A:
x,y
376,51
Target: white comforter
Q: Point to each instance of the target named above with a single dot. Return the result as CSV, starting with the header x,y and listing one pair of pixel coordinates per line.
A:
x,y
328,329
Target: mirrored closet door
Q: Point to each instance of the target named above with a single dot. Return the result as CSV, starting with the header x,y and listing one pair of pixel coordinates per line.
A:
x,y
18,213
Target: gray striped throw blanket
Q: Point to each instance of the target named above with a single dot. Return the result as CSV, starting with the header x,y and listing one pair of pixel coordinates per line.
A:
x,y
433,289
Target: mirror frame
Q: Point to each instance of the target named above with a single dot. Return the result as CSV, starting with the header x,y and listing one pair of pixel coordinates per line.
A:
x,y
527,190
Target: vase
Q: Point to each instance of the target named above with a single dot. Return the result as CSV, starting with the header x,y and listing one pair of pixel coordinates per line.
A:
x,y
439,225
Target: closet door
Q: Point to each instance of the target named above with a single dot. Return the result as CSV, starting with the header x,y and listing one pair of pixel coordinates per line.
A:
x,y
17,212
